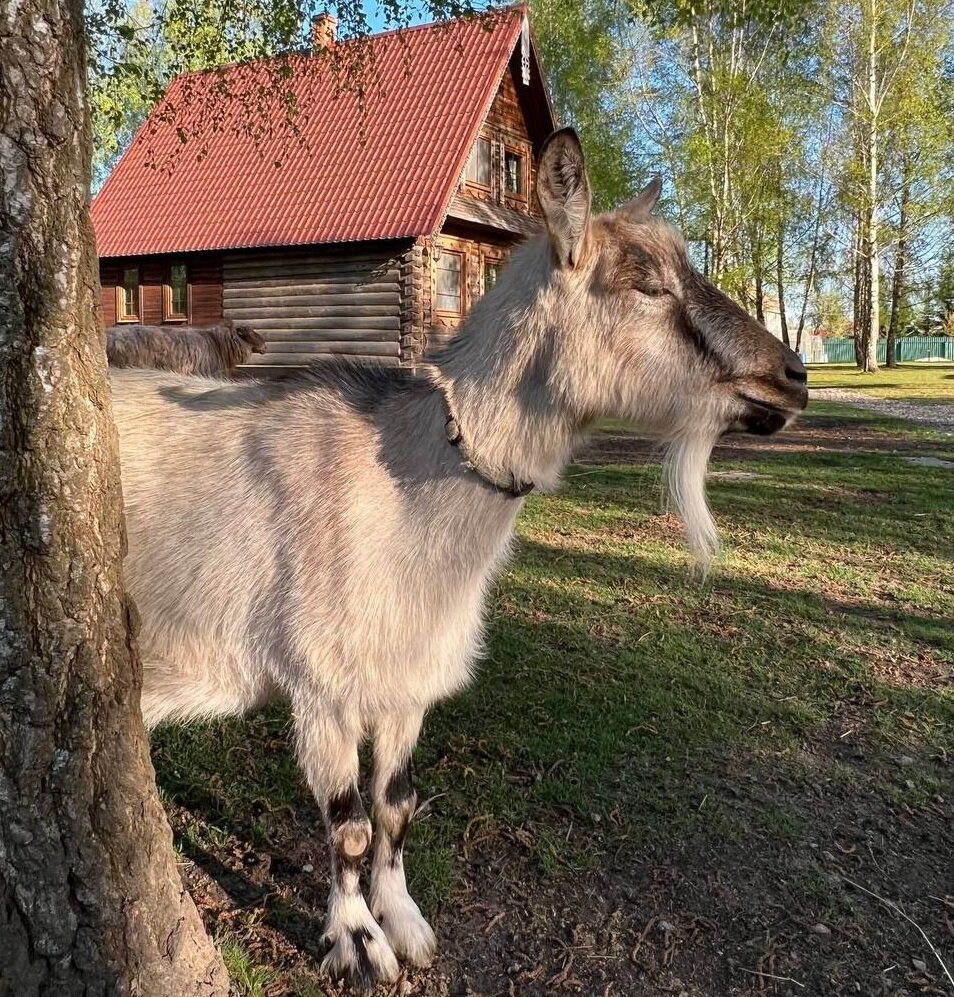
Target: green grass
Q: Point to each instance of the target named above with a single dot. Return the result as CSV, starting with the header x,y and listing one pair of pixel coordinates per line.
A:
x,y
608,664
622,701
250,979
925,382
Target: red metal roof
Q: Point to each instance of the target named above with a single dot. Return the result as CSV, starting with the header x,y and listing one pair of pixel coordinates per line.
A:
x,y
382,171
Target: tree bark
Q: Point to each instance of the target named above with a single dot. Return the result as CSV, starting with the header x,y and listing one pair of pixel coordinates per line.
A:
x,y
859,312
816,235
92,901
758,275
809,283
780,280
873,324
897,278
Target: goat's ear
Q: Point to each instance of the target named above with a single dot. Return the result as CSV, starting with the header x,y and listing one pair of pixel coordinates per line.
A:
x,y
641,206
564,194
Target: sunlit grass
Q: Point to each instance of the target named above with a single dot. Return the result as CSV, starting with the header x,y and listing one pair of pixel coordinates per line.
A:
x,y
619,693
934,382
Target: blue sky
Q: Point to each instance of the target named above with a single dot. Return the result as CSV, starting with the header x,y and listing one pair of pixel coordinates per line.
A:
x,y
376,18
419,14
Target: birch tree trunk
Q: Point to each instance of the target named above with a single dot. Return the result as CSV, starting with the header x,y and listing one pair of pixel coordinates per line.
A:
x,y
862,313
873,324
758,275
780,280
91,901
897,278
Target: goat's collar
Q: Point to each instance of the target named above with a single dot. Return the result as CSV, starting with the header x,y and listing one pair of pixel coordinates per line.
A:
x,y
503,481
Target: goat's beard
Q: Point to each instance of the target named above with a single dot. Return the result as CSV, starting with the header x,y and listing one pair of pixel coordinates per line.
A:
x,y
684,468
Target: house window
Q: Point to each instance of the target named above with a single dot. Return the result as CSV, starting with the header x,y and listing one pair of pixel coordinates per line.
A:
x,y
491,273
176,294
478,166
127,296
450,283
514,169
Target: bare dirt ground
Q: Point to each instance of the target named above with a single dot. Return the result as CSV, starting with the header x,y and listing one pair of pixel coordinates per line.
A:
x,y
694,918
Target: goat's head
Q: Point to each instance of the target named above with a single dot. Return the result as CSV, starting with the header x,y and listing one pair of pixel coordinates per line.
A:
x,y
255,340
651,340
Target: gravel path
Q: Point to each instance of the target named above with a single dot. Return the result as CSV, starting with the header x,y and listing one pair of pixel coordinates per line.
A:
x,y
925,414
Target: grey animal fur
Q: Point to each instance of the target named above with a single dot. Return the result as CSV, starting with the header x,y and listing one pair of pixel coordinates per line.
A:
x,y
183,349
320,540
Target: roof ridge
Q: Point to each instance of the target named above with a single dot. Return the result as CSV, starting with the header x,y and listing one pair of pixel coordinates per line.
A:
x,y
444,204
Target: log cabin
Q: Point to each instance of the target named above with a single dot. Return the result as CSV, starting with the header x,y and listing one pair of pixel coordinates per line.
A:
x,y
364,223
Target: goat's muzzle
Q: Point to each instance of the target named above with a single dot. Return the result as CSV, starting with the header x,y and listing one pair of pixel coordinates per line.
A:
x,y
776,400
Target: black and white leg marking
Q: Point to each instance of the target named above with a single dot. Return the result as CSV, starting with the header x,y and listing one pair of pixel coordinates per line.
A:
x,y
394,804
358,951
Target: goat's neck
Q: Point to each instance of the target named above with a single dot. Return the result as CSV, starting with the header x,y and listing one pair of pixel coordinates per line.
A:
x,y
500,376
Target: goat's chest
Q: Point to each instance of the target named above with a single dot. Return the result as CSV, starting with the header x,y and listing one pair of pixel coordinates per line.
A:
x,y
402,612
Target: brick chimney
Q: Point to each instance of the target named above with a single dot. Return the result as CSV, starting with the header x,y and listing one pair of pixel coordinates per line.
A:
x,y
323,28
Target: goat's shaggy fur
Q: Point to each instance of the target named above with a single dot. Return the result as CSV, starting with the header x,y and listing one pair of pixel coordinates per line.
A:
x,y
183,349
321,540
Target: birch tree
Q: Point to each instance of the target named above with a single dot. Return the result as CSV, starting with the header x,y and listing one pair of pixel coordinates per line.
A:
x,y
919,168
91,901
877,48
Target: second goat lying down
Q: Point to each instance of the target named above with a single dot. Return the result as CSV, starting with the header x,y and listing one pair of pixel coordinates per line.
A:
x,y
183,349
330,539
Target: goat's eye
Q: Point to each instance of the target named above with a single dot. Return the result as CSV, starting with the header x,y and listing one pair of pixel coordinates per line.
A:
x,y
652,290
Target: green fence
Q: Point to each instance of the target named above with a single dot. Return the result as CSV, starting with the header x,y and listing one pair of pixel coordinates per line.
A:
x,y
906,349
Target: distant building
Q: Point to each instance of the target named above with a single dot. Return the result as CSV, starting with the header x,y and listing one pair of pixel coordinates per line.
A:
x,y
382,225
773,315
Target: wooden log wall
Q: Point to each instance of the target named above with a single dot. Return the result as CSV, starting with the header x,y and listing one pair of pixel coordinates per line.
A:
x,y
506,127
318,303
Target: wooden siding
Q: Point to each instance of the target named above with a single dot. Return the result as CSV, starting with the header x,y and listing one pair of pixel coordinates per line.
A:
x,y
494,218
486,223
205,287
506,128
318,303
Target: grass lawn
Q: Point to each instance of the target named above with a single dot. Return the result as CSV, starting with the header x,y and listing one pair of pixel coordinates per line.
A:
x,y
655,785
919,381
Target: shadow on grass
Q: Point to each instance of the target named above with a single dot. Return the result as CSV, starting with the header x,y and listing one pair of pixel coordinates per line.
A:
x,y
597,697
852,501
626,727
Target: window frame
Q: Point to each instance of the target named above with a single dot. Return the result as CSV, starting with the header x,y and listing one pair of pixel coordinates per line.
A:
x,y
490,164
444,312
121,314
521,154
168,315
494,261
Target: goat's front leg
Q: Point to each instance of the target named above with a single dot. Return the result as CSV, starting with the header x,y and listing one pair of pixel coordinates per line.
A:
x,y
357,949
394,803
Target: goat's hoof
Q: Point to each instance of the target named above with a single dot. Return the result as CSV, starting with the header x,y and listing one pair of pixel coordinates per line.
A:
x,y
411,937
362,956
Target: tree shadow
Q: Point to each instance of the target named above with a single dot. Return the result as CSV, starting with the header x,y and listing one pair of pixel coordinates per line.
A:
x,y
556,669
851,501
